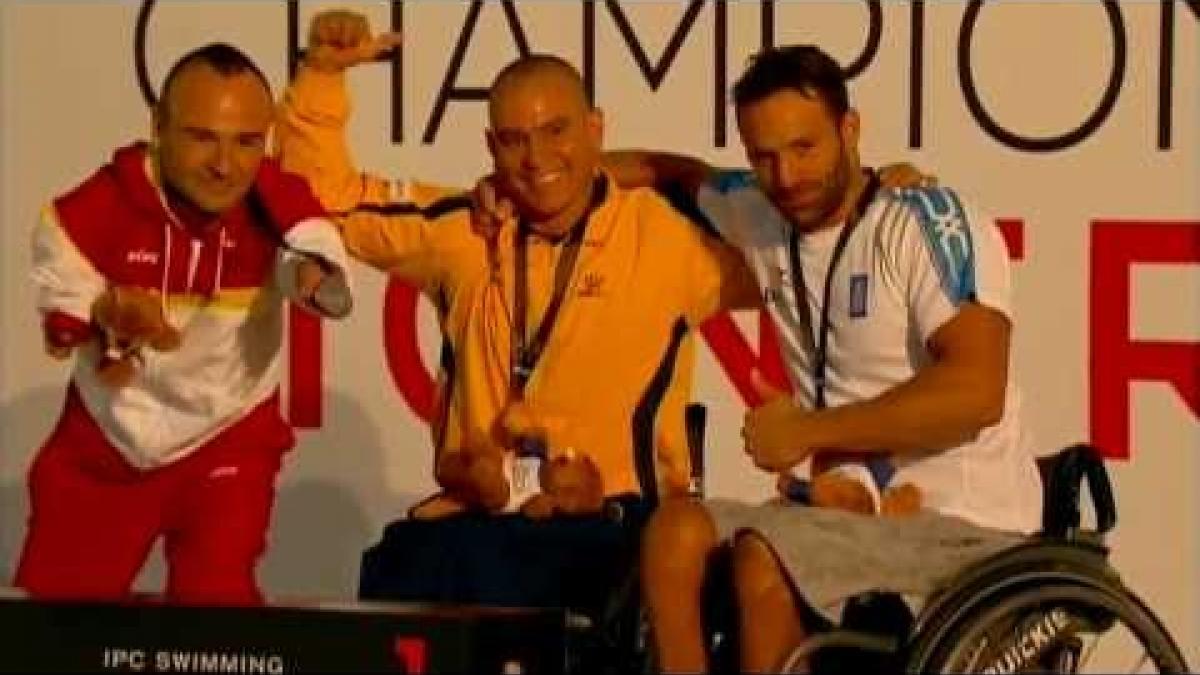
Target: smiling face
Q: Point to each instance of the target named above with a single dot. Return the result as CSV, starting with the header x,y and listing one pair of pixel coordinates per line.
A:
x,y
211,130
545,141
804,159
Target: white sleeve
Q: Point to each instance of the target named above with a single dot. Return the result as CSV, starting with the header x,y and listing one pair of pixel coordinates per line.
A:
x,y
64,281
317,237
947,253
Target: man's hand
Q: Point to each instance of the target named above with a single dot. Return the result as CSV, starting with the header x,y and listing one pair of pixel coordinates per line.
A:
x,y
772,431
339,39
490,211
322,288
904,175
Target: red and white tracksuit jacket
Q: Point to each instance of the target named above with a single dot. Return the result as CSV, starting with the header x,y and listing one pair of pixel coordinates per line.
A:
x,y
223,290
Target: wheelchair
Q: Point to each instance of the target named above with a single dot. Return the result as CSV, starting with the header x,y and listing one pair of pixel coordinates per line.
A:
x,y
1052,604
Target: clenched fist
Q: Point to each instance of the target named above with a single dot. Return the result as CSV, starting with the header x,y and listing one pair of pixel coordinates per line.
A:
x,y
773,430
339,39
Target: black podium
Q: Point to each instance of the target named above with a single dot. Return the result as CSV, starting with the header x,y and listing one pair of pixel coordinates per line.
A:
x,y
153,637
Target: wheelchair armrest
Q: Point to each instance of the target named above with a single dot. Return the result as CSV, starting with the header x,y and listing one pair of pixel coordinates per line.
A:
x,y
1063,476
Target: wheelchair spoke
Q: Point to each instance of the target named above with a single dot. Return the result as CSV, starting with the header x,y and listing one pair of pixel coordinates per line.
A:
x,y
1086,657
1124,643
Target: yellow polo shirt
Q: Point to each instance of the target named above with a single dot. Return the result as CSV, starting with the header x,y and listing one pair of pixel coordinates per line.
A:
x,y
616,371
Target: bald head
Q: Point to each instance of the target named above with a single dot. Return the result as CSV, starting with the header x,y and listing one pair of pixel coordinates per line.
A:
x,y
545,73
217,57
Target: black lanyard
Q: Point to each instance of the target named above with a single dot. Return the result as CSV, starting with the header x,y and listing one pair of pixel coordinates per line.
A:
x,y
525,355
821,352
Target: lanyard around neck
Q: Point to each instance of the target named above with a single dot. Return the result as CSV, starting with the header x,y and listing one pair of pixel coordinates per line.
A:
x,y
821,350
525,353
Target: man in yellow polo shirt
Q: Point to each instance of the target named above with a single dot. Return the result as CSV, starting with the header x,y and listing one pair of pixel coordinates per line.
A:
x,y
581,310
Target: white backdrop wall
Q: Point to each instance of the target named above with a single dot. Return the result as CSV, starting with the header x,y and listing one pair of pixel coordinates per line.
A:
x,y
1118,201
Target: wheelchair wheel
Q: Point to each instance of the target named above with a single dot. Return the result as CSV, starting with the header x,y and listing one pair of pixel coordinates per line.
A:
x,y
1060,627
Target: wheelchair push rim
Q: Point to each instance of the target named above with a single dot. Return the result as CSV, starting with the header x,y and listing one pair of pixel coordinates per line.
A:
x,y
1059,627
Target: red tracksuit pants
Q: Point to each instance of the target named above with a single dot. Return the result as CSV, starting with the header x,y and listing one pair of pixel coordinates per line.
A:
x,y
94,518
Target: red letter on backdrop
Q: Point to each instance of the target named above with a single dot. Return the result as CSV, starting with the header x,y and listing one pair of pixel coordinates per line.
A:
x,y
401,344
1116,359
1013,231
738,358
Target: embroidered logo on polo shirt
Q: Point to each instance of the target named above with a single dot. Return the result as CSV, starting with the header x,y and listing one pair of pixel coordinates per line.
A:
x,y
591,286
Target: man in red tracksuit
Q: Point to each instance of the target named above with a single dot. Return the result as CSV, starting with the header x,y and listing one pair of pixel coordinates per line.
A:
x,y
190,449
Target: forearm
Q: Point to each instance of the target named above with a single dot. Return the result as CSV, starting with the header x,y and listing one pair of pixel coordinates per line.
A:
x,y
311,142
644,168
310,137
65,282
939,408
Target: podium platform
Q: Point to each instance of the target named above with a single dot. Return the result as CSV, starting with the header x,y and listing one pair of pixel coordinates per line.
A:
x,y
149,636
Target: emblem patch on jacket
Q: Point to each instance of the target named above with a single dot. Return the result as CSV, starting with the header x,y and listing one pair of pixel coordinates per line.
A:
x,y
858,296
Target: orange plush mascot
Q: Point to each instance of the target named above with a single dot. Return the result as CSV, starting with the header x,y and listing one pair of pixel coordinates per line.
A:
x,y
487,474
129,319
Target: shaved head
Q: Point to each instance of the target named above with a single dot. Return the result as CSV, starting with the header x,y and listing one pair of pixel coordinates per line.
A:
x,y
545,139
540,71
